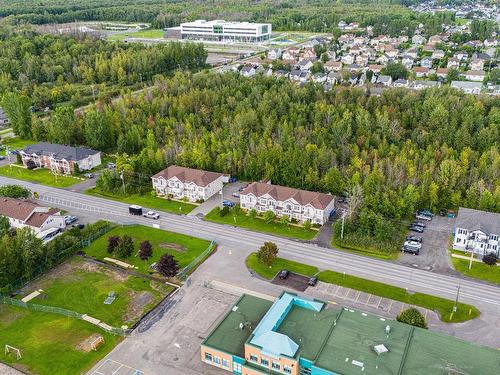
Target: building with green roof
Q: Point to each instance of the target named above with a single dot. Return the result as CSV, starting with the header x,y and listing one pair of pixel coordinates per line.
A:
x,y
298,336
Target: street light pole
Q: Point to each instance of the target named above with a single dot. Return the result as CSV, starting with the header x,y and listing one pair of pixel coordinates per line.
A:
x,y
343,222
471,256
456,300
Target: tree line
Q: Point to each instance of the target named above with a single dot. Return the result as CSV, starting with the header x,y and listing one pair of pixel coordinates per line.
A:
x,y
54,69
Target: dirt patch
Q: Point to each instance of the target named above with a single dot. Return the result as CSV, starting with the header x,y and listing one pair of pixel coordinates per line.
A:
x,y
173,246
138,301
90,343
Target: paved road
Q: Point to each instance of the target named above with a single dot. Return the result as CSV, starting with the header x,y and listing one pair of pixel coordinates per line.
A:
x,y
242,240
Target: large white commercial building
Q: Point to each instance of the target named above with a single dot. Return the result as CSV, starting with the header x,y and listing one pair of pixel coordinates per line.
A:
x,y
222,31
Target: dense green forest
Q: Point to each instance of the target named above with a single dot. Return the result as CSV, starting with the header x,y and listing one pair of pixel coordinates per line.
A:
x,y
437,148
57,69
387,16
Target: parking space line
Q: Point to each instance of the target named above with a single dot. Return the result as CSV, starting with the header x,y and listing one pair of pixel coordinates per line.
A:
x,y
359,293
369,298
402,307
379,302
390,305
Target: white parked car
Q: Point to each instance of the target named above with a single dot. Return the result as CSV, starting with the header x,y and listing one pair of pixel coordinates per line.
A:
x,y
152,215
414,244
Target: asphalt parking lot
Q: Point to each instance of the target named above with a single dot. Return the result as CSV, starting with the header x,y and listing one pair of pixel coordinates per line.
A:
x,y
434,252
293,281
230,189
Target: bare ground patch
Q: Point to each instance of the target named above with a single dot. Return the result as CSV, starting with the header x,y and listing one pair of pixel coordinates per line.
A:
x,y
137,304
90,343
173,246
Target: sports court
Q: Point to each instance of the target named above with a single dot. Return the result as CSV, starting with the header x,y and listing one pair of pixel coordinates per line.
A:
x,y
111,367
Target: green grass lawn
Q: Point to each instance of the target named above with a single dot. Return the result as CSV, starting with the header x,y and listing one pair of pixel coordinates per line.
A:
x,y
443,306
48,342
479,270
146,200
269,272
15,143
366,252
240,219
147,33
163,242
42,176
83,287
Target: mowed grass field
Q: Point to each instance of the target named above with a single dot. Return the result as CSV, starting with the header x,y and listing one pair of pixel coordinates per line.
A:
x,y
41,176
478,271
241,219
146,200
48,342
82,286
146,34
183,248
14,143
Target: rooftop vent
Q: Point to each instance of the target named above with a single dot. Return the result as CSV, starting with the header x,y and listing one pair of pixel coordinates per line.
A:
x,y
379,349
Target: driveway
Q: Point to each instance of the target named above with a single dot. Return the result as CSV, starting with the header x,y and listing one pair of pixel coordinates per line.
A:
x,y
434,253
216,200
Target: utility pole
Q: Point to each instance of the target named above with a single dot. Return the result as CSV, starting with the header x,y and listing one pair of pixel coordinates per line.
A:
x,y
456,300
342,231
123,181
471,257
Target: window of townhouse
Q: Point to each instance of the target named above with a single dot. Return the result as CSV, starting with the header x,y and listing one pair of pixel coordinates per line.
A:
x,y
262,201
296,208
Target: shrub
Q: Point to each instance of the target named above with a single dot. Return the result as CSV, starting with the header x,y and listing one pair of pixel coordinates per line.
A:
x,y
167,266
224,211
14,191
269,216
113,242
145,250
252,213
268,253
412,317
490,259
307,224
284,220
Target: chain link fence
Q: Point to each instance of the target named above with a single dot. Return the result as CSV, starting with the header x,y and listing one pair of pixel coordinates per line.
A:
x,y
186,271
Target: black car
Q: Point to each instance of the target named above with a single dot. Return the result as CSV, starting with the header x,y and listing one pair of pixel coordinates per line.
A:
x,y
416,228
313,281
414,238
79,226
442,213
283,274
410,249
418,223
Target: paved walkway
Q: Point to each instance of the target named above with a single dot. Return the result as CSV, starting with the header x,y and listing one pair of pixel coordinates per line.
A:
x,y
7,370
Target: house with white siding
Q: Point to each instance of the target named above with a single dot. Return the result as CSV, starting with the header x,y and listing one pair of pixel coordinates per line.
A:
x,y
477,231
193,184
24,213
297,204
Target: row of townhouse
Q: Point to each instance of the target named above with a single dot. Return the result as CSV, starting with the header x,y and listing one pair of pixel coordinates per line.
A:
x,y
477,231
197,185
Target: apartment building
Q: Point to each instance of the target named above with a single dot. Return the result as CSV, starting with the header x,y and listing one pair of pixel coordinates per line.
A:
x,y
300,336
60,158
23,213
297,204
193,184
222,31
477,231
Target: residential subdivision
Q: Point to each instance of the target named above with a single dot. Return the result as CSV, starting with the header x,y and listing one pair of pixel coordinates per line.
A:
x,y
23,213
301,205
477,231
60,158
193,184
299,336
221,31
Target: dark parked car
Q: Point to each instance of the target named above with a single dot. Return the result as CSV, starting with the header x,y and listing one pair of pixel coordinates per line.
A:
x,y
425,212
418,223
442,212
228,204
416,228
313,281
283,274
414,238
2,157
79,226
68,219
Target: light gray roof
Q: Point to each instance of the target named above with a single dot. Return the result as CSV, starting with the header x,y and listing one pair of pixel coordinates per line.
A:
x,y
60,151
487,222
466,84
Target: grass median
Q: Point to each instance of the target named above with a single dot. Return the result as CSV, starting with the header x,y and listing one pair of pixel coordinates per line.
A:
x,y
241,219
441,305
146,200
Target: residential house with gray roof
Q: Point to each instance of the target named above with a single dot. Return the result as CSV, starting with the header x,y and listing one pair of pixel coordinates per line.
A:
x,y
60,158
477,231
